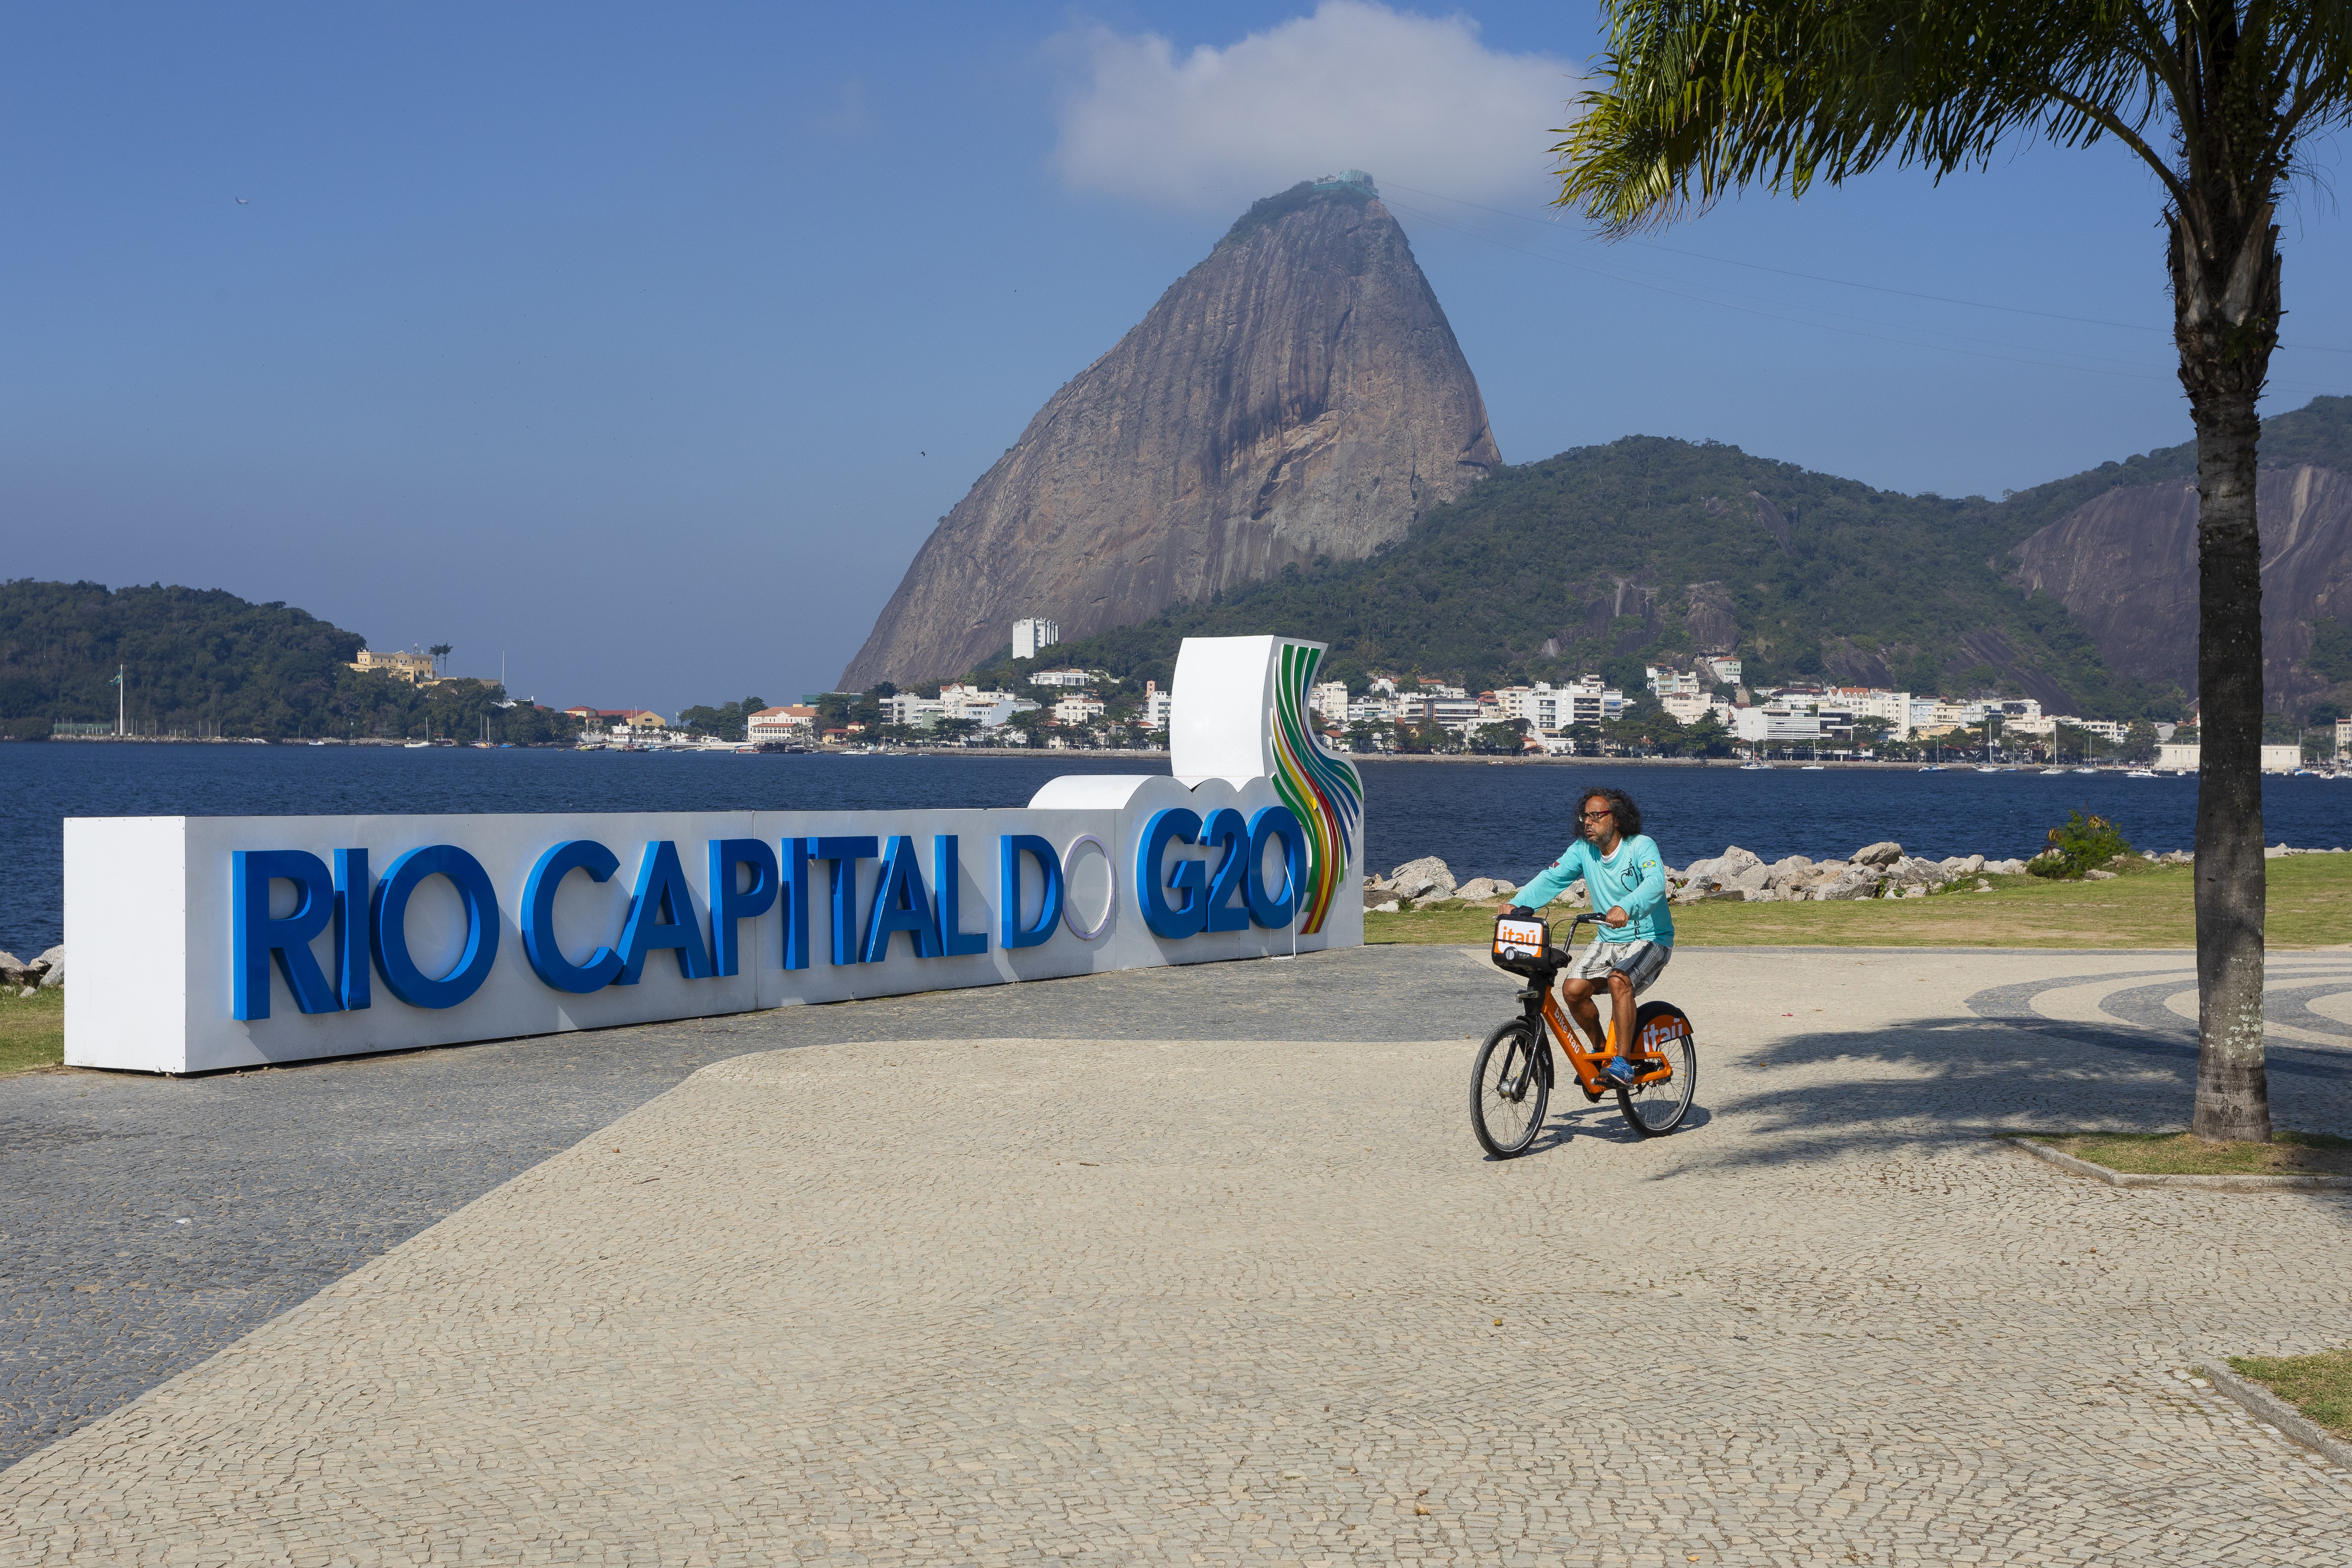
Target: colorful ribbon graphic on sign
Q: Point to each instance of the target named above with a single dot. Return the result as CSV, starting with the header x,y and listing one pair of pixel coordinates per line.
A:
x,y
1320,787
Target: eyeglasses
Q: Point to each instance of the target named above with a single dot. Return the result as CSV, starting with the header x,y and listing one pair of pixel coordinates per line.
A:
x,y
1598,816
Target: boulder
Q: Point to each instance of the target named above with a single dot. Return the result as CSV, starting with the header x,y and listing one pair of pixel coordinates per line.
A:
x,y
1485,887
1734,858
1756,895
1389,908
2005,867
1853,882
1701,873
2098,876
55,958
1915,892
1753,877
1791,871
1426,878
1885,852
11,968
1571,895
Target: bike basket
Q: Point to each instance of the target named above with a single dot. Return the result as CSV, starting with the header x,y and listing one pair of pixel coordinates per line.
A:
x,y
1522,946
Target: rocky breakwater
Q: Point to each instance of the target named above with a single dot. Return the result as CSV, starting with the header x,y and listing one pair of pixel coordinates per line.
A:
x,y
1878,870
45,972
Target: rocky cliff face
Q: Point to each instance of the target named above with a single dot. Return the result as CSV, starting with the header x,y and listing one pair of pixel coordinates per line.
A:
x,y
1298,394
2126,565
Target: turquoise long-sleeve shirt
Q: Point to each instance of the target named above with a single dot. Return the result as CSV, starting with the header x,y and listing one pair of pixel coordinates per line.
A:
x,y
1633,879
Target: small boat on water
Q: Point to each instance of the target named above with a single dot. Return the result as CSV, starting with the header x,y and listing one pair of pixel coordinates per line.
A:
x,y
1813,768
1986,768
1932,768
416,745
2140,773
1755,767
2086,770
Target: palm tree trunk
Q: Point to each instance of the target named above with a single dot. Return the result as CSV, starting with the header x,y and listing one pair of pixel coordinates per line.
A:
x,y
2225,280
2232,1084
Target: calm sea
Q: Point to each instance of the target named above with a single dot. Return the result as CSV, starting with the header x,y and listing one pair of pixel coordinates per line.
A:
x,y
1483,819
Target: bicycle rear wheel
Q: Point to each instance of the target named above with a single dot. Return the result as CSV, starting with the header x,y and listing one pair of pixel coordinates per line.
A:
x,y
1509,1089
1658,1108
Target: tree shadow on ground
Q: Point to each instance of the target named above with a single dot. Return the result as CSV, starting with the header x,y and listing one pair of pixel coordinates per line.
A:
x,y
1941,1083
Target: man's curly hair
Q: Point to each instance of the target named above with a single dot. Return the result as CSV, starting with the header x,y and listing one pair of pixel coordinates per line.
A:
x,y
1621,806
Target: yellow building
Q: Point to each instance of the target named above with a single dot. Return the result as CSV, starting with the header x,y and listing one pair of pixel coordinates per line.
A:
x,y
414,667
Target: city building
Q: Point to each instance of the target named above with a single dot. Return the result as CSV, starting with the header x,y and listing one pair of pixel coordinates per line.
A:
x,y
1157,705
795,722
1066,677
987,709
1875,702
1775,724
1665,682
2188,757
1721,669
1032,638
1330,700
1078,708
918,712
416,669
1686,707
638,719
2343,740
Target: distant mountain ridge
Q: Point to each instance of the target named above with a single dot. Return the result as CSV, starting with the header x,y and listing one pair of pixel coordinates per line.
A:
x,y
1298,396
1603,558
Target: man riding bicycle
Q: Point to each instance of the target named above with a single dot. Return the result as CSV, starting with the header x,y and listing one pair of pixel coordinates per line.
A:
x,y
1624,875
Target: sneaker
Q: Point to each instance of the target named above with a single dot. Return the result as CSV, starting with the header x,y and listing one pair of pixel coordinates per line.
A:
x,y
1620,1071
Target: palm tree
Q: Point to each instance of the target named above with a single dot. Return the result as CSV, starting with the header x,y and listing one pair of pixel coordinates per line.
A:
x,y
2217,97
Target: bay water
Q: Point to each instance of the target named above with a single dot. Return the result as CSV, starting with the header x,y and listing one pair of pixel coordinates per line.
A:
x,y
1485,819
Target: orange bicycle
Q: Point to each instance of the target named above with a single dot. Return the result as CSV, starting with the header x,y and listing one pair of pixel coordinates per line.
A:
x,y
1511,1086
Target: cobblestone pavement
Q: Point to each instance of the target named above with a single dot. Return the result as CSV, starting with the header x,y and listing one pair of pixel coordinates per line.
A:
x,y
919,1296
291,1177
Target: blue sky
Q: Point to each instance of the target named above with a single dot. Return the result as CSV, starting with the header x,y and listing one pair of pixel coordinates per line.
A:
x,y
644,345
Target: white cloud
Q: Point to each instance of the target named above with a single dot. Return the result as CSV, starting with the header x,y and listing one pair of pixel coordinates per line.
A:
x,y
1416,100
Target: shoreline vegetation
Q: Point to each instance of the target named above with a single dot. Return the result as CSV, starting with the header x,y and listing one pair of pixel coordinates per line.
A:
x,y
2145,905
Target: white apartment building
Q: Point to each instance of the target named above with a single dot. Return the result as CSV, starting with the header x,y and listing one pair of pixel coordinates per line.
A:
x,y
1439,689
787,723
1078,708
1722,671
1775,724
1032,638
2188,757
1066,677
1875,702
1384,686
2343,739
1371,711
988,708
2105,729
1157,705
1591,702
1330,700
918,712
1455,713
1686,707
1665,682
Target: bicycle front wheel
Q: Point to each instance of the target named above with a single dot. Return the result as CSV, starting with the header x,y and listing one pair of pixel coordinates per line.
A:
x,y
1509,1089
1657,1108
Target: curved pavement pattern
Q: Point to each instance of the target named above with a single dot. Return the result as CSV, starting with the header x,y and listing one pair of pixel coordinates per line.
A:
x,y
1120,1297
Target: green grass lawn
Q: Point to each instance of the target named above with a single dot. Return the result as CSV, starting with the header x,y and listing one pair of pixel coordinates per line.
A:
x,y
31,1030
2310,905
2179,1154
2318,1385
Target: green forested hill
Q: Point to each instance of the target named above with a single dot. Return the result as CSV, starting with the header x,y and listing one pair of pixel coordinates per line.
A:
x,y
1605,557
201,661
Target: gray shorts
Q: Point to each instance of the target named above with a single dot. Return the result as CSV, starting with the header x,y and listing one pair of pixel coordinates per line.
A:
x,y
1641,961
